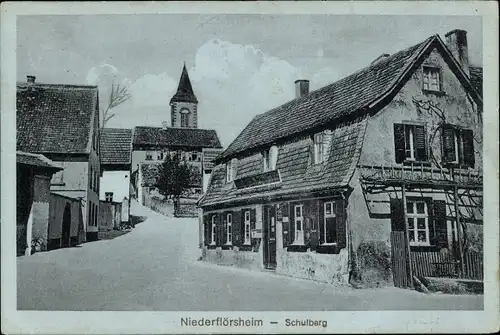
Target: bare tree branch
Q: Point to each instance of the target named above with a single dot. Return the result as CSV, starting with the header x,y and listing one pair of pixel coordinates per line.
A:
x,y
118,95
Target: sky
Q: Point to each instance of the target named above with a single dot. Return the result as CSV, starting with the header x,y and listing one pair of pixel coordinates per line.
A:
x,y
239,65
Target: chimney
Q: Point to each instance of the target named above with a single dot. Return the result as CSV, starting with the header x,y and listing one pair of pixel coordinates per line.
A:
x,y
164,124
456,41
380,58
301,88
30,79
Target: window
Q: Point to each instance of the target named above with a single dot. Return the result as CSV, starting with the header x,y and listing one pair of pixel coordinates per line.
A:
x,y
91,214
149,156
184,118
418,222
194,157
330,224
458,146
247,228
229,237
299,226
318,148
212,233
231,170
109,196
410,143
431,80
96,210
159,156
270,158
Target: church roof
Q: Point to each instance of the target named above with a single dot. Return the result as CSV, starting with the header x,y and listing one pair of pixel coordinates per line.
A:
x,y
184,90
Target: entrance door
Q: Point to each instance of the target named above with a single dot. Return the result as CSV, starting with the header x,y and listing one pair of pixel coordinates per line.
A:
x,y
269,237
66,226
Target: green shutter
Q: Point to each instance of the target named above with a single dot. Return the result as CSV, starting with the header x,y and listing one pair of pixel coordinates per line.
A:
x,y
468,148
420,143
397,215
321,222
206,229
285,225
291,236
448,139
236,226
341,224
399,142
440,224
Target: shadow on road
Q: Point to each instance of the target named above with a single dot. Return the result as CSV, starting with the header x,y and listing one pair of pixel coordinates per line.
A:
x,y
134,220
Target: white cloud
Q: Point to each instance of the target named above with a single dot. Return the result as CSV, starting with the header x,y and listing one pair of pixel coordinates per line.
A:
x,y
233,83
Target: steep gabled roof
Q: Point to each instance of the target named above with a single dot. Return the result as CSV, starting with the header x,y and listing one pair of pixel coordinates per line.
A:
x,y
356,93
116,146
37,160
476,78
55,118
175,137
184,90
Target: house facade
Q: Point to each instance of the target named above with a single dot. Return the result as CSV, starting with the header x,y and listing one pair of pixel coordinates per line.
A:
x,y
371,180
115,190
61,122
33,201
151,145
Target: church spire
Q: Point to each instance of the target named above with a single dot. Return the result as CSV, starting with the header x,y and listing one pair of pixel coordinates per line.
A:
x,y
184,90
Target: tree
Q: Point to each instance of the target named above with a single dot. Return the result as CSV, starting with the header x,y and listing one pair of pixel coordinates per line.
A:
x,y
119,94
174,178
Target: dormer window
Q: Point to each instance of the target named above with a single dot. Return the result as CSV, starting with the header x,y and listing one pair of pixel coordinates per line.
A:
x,y
431,79
231,170
319,148
270,158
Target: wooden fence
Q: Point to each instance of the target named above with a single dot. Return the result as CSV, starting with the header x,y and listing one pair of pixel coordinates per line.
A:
x,y
400,270
439,264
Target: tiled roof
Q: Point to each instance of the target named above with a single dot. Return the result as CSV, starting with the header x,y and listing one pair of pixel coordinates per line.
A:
x,y
184,90
116,146
171,137
341,98
35,160
78,194
476,77
294,168
55,118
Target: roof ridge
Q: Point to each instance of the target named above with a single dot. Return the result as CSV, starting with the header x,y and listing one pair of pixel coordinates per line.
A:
x,y
55,86
372,65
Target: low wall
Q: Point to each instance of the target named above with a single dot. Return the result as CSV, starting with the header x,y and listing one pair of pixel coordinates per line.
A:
x,y
326,268
242,259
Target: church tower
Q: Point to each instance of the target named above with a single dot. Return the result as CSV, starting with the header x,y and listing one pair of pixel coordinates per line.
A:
x,y
184,105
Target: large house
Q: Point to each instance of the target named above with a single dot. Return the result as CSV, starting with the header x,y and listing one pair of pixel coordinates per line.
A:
x,y
196,146
115,190
61,122
372,180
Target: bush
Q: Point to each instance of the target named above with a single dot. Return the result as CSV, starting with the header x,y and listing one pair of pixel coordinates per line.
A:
x,y
373,264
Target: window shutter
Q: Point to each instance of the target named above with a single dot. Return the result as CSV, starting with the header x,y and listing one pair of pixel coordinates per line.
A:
x,y
321,222
397,215
218,229
206,229
440,225
236,227
242,226
253,215
341,224
291,236
468,147
448,139
285,225
399,142
420,143
224,228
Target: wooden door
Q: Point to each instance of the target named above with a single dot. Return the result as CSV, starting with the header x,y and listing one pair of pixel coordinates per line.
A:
x,y
269,237
66,226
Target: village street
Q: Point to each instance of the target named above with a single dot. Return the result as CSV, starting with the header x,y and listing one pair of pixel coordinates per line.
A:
x,y
155,267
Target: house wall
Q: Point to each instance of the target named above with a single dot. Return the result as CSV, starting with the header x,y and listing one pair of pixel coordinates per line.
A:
x,y
56,212
458,109
369,214
93,192
323,264
117,182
